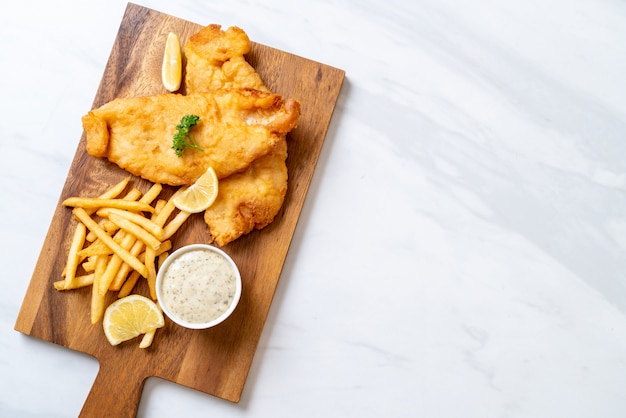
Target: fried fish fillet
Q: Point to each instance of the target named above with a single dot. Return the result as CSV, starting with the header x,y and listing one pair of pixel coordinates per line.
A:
x,y
215,60
235,128
251,199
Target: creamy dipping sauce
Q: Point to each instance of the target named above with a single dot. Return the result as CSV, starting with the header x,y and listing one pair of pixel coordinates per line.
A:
x,y
198,286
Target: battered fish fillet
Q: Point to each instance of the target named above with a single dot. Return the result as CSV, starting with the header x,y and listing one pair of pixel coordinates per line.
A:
x,y
215,60
251,199
235,128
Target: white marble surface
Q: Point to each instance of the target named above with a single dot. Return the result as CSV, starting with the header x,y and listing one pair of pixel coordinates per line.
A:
x,y
462,251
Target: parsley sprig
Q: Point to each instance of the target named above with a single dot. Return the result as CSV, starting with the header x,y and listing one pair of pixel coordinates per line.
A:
x,y
182,140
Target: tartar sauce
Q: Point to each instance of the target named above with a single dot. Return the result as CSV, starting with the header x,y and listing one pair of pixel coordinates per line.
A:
x,y
198,286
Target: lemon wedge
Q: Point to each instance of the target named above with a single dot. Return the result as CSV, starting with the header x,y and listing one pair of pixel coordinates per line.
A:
x,y
171,70
200,195
129,317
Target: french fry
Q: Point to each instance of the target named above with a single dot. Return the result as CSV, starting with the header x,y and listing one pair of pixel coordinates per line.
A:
x,y
146,340
162,258
97,299
107,225
90,264
97,203
126,269
175,224
164,247
136,218
128,258
110,273
148,337
153,260
150,257
78,282
166,211
152,193
73,257
114,265
116,190
134,229
120,245
129,284
97,247
158,207
113,192
134,194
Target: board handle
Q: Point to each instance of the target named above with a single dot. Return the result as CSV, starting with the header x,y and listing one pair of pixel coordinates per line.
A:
x,y
116,392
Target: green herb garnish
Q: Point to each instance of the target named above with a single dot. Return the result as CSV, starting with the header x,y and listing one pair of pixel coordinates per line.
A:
x,y
182,140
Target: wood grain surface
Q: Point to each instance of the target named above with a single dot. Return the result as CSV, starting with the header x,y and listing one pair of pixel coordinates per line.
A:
x,y
215,361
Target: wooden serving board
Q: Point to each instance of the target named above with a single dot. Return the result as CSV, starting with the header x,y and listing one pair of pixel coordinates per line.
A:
x,y
214,361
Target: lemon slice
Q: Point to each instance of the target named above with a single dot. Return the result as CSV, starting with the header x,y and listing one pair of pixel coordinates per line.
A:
x,y
171,71
200,195
129,317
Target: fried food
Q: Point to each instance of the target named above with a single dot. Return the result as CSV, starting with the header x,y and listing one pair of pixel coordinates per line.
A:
x,y
215,60
251,199
118,257
235,128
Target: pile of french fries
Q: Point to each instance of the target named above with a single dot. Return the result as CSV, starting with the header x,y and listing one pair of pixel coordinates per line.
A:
x,y
119,239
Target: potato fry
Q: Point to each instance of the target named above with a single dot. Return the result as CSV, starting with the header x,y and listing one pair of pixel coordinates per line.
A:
x,y
97,299
119,282
175,224
148,337
114,265
162,258
129,284
117,249
119,245
152,193
146,340
73,257
110,274
166,211
78,282
136,218
158,207
132,228
150,260
125,269
97,247
90,264
134,194
164,247
115,190
107,225
97,203
154,262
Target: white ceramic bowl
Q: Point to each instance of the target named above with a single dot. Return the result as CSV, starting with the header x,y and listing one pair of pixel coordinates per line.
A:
x,y
190,301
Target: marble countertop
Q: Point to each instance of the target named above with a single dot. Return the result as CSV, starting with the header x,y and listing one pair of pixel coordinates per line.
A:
x,y
462,249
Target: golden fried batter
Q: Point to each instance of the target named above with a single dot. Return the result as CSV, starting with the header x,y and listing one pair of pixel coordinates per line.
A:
x,y
251,199
215,60
236,127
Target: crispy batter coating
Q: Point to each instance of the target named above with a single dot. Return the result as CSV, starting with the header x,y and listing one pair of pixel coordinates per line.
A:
x,y
215,60
251,199
236,127
242,129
